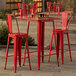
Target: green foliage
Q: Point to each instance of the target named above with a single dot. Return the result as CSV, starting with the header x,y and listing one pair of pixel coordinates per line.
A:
x,y
28,1
49,0
31,41
2,13
3,34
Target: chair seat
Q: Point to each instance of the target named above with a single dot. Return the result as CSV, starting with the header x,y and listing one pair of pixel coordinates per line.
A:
x,y
18,34
61,30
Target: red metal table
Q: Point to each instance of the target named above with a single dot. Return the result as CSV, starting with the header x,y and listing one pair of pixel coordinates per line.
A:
x,y
40,35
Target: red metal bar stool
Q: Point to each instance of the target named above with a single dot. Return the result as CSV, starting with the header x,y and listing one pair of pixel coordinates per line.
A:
x,y
60,35
17,42
24,10
34,10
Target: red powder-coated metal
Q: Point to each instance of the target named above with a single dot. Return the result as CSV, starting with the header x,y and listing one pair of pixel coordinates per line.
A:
x,y
17,42
60,35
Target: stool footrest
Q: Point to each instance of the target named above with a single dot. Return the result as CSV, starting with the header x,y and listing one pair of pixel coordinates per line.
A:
x,y
52,52
10,57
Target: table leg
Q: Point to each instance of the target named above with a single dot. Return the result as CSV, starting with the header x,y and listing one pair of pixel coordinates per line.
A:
x,y
42,40
39,41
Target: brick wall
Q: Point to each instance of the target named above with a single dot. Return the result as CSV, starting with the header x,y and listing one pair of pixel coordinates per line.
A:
x,y
2,4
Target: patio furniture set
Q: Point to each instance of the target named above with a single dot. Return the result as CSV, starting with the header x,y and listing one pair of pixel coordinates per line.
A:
x,y
58,33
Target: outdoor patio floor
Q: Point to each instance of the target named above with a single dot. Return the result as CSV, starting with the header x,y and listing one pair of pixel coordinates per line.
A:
x,y
47,68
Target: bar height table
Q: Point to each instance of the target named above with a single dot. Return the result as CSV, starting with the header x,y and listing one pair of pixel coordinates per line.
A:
x,y
40,35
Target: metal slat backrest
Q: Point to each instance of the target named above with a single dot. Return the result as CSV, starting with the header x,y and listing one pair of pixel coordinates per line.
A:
x,y
8,18
65,20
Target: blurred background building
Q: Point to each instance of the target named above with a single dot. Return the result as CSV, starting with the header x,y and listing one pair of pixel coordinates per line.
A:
x,y
68,5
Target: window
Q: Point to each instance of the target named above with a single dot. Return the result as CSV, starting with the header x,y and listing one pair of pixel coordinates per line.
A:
x,y
39,5
12,5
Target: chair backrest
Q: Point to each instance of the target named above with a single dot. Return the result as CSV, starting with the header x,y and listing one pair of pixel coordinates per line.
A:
x,y
25,5
36,5
66,20
35,8
53,6
8,18
19,6
47,4
25,9
60,5
58,10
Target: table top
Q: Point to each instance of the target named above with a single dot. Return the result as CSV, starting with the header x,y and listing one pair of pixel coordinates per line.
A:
x,y
40,18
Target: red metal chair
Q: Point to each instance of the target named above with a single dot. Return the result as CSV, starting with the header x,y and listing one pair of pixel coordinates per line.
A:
x,y
47,3
49,7
60,34
17,42
34,9
52,7
19,9
24,10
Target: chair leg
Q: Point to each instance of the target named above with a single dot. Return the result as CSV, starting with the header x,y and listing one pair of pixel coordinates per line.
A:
x,y
19,50
7,53
15,54
69,47
24,54
28,53
50,47
42,40
62,46
21,13
57,47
